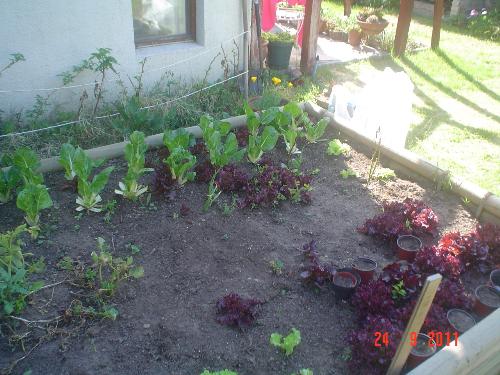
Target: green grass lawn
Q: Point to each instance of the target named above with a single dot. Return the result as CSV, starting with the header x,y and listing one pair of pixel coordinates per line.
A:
x,y
457,113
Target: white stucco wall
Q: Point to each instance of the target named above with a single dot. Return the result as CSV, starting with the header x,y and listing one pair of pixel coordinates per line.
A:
x,y
55,35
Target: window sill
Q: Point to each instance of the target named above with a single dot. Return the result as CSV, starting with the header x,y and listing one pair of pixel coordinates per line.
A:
x,y
163,49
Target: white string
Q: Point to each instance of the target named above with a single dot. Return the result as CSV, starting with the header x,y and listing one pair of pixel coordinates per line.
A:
x,y
117,114
119,79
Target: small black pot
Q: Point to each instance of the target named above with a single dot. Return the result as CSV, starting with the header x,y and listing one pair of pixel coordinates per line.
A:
x,y
342,290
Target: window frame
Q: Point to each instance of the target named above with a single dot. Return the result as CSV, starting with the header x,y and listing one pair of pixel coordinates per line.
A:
x,y
189,36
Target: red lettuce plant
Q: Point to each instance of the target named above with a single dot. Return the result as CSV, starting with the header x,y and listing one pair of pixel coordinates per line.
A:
x,y
432,259
407,217
232,179
452,295
314,272
489,234
373,298
275,183
242,136
162,178
366,357
469,248
396,272
204,171
234,310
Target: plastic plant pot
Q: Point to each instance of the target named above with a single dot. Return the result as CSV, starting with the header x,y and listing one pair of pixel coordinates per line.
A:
x,y
460,320
487,300
279,53
407,247
365,267
495,279
424,348
345,281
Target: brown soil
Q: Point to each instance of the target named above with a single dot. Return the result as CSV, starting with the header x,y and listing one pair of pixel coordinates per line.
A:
x,y
409,243
460,320
489,297
167,319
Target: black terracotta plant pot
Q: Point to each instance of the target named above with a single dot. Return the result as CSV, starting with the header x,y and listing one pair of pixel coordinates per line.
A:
x,y
460,320
425,348
366,268
407,247
345,281
487,300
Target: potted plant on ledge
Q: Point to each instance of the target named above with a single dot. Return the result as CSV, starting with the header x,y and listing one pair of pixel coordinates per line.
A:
x,y
279,49
371,21
353,32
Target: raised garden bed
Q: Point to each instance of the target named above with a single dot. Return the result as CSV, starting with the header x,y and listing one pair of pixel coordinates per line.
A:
x,y
167,320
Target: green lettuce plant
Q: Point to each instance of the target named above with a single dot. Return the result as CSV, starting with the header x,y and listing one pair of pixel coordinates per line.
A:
x,y
27,164
222,372
286,344
313,132
258,143
336,147
223,149
288,124
88,190
180,161
135,152
9,179
14,284
32,200
67,160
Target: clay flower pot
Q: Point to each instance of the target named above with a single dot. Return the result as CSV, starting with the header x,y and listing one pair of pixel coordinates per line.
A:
x,y
407,247
365,267
495,279
354,38
372,28
460,320
345,281
487,300
425,348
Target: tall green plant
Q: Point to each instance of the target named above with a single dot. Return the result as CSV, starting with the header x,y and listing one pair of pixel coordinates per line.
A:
x,y
288,123
258,143
27,163
9,179
135,152
67,160
14,284
32,200
223,149
89,190
180,161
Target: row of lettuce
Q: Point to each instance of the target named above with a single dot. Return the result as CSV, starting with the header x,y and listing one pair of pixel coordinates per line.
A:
x,y
21,176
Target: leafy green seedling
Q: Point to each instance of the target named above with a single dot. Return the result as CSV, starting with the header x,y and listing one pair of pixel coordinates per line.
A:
x,y
346,173
9,179
305,371
385,174
27,164
313,132
135,152
134,249
277,266
336,148
258,143
398,290
288,343
89,190
32,200
67,160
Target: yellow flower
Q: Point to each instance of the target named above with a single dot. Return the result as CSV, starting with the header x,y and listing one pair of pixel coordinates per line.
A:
x,y
290,84
276,80
253,79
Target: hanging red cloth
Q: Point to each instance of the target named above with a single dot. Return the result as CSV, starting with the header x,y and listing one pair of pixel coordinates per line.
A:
x,y
269,16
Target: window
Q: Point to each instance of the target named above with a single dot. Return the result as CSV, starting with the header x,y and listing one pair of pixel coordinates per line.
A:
x,y
163,21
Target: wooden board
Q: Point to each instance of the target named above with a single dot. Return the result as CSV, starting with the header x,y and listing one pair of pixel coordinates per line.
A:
x,y
436,24
415,323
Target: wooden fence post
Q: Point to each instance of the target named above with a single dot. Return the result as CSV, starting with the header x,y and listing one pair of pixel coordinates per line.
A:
x,y
310,37
436,24
347,7
415,323
404,19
